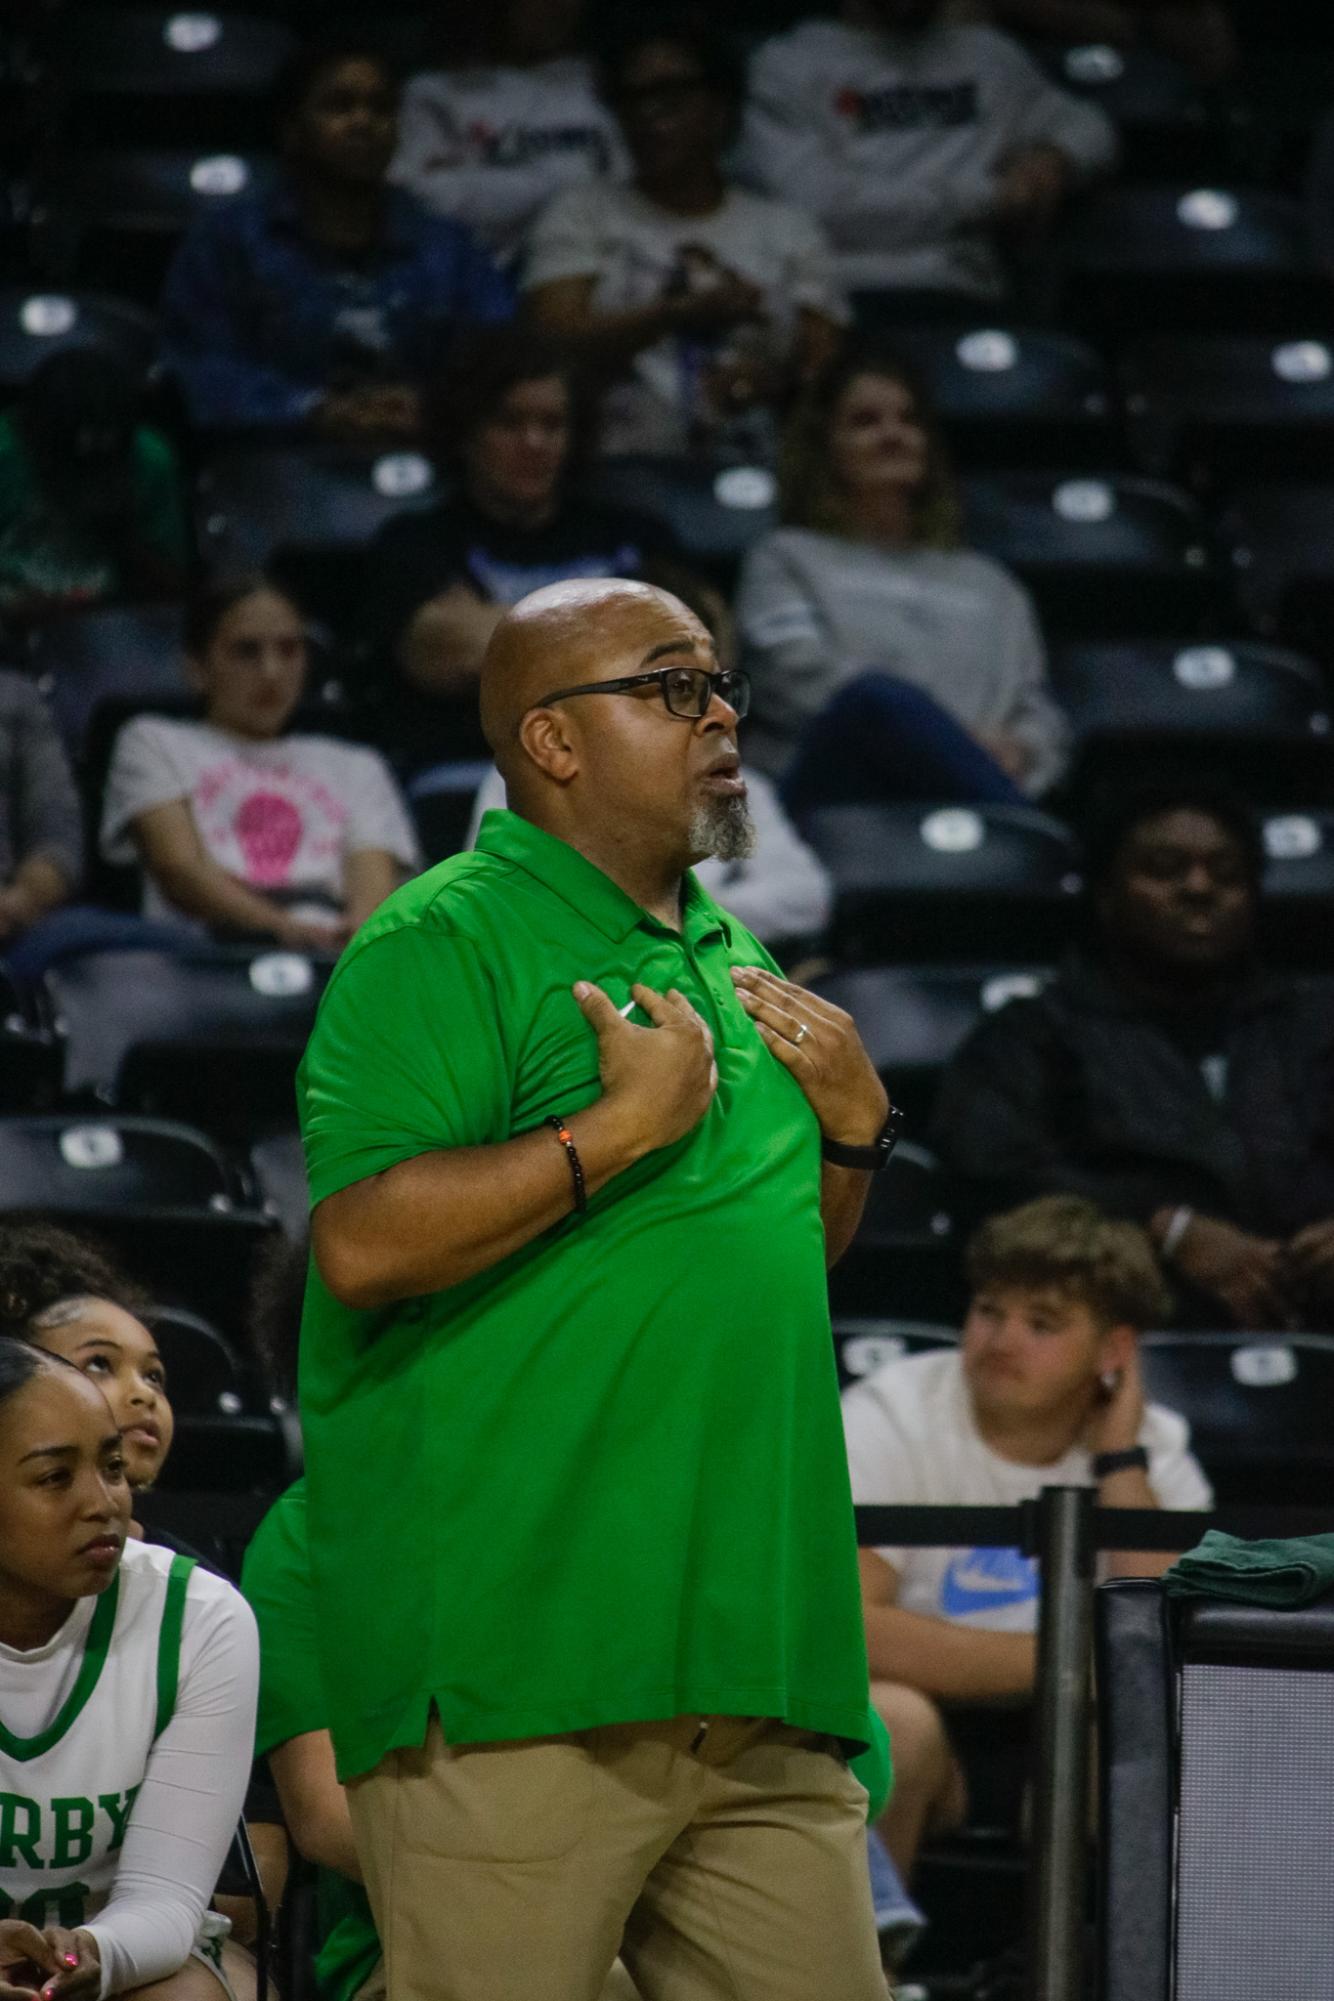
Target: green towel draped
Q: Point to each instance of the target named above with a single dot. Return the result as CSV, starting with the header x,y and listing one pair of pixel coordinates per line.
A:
x,y
1293,1571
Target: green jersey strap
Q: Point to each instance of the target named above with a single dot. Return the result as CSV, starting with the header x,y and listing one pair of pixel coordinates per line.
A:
x,y
95,1650
169,1641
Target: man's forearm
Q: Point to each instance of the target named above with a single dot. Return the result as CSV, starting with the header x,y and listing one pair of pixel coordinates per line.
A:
x,y
843,1192
434,1221
952,1663
1130,1489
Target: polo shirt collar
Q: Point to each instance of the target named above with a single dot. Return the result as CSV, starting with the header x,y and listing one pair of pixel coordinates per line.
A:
x,y
576,880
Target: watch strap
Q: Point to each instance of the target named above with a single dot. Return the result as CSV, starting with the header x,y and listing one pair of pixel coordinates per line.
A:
x,y
870,1159
1120,1462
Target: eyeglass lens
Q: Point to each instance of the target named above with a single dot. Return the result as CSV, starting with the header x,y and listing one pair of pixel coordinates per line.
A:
x,y
689,690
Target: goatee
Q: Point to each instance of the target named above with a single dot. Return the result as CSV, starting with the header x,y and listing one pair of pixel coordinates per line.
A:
x,y
723,829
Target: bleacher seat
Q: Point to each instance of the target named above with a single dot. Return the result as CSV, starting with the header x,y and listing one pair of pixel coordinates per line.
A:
x,y
1299,889
34,324
1167,125
212,1033
32,1053
862,1346
905,1259
255,1453
157,76
309,513
1258,713
1258,1406
442,798
125,653
1105,554
1211,258
715,512
943,882
110,219
278,1164
1210,406
1016,396
913,1018
1281,539
206,1376
162,1195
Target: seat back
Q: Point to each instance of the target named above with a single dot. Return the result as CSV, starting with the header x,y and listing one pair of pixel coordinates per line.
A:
x,y
35,324
862,1345
1016,396
205,1374
912,1019
1258,1407
1299,890
1107,555
131,654
905,1259
1210,406
77,1165
930,882
112,217
714,512
168,78
1280,536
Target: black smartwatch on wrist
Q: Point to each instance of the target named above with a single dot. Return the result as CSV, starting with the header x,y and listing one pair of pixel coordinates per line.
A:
x,y
870,1159
1120,1462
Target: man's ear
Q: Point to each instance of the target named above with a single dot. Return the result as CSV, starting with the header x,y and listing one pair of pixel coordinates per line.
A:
x,y
1116,1349
545,740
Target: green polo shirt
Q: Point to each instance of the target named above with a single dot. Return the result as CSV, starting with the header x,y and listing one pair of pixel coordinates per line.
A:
x,y
605,1480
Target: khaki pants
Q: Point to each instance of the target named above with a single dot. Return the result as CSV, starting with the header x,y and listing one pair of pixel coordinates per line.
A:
x,y
724,1864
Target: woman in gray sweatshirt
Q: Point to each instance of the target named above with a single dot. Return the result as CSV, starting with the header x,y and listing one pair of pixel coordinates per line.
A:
x,y
887,661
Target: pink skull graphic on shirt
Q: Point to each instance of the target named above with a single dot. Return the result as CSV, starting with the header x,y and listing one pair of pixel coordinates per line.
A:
x,y
268,828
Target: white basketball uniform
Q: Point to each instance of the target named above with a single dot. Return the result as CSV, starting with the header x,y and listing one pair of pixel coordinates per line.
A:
x,y
66,1794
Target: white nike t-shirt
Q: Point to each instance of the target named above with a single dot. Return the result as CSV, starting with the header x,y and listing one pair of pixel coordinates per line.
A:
x,y
912,1443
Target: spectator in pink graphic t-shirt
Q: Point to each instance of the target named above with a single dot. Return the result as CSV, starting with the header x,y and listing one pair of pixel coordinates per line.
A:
x,y
238,826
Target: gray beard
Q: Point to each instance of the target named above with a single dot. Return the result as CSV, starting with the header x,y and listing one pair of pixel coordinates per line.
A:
x,y
722,829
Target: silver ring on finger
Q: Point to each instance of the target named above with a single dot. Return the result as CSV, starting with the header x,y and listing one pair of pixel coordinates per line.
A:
x,y
802,1032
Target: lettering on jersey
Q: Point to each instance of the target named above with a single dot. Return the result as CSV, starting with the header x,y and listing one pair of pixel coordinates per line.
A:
x,y
66,1906
59,1833
909,107
518,145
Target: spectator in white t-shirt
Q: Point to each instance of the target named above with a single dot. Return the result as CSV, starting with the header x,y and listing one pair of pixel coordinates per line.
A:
x,y
510,118
702,304
1045,1389
238,826
926,147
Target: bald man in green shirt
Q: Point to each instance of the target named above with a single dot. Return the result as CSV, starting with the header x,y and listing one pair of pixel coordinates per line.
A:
x,y
580,1523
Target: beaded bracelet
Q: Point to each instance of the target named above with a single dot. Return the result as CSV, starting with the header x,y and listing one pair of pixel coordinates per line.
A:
x,y
566,1138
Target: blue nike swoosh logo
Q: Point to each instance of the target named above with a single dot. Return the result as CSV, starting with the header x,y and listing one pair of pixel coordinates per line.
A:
x,y
984,1580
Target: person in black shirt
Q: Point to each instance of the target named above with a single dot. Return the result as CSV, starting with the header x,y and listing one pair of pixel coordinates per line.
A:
x,y
1164,1075
507,424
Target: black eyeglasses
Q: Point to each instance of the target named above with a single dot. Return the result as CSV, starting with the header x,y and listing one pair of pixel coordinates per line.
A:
x,y
686,691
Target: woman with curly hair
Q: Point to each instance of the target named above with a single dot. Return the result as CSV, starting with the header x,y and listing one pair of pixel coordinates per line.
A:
x,y
888,661
60,1293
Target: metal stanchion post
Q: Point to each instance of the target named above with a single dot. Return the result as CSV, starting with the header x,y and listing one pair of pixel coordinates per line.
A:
x,y
1061,1744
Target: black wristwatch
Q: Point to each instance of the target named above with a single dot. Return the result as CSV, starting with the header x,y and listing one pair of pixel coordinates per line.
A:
x,y
869,1158
1120,1462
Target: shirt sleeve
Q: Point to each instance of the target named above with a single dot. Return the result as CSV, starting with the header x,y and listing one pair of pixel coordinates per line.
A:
x,y
1037,113
879,1467
1035,720
276,1583
568,239
44,811
206,341
144,773
185,1813
1175,1474
377,816
408,1056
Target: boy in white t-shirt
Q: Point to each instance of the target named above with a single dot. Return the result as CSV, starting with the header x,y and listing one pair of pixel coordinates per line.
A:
x,y
1044,1390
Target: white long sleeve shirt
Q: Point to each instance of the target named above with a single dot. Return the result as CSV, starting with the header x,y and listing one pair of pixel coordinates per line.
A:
x,y
106,1820
895,143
